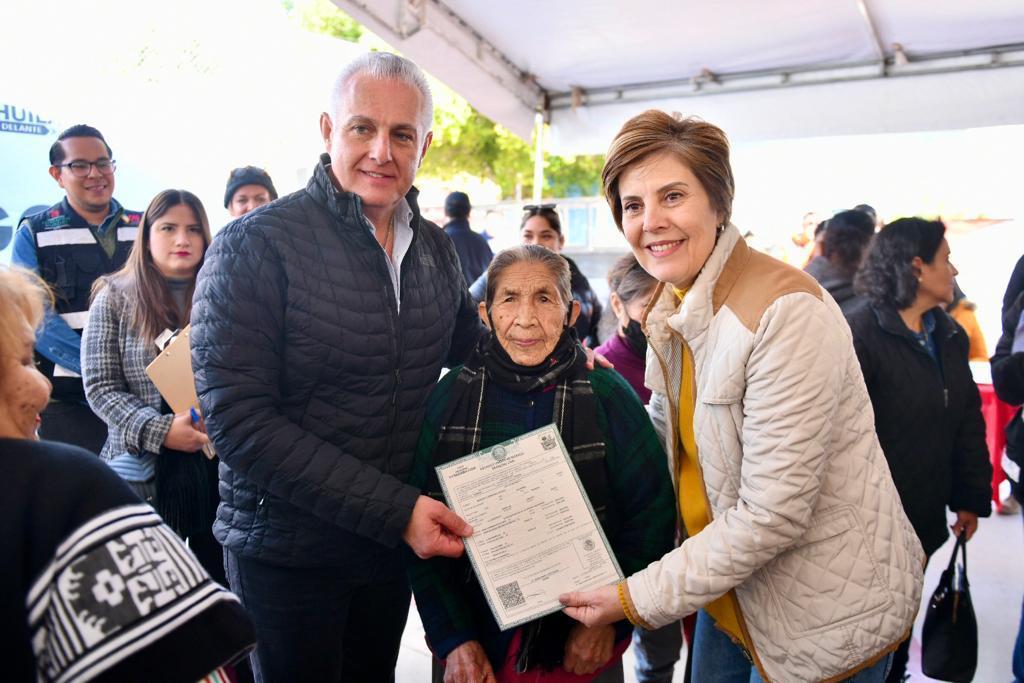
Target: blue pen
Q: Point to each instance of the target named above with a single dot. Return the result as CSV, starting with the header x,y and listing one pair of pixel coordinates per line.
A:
x,y
194,414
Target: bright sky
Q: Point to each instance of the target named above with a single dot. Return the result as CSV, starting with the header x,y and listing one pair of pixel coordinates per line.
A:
x,y
184,91
187,90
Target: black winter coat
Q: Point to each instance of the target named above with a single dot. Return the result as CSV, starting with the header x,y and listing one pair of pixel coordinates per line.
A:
x,y
1008,380
836,282
474,252
313,384
1008,367
928,421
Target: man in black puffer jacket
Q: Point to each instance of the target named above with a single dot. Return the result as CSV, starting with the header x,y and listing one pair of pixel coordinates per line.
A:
x,y
320,324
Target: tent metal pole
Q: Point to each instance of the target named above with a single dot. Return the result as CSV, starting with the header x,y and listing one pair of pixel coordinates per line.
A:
x,y
538,157
873,30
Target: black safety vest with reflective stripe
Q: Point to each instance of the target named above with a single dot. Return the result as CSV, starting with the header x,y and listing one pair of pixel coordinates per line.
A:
x,y
70,260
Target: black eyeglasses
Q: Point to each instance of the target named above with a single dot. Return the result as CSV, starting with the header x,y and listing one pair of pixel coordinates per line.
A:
x,y
81,169
534,209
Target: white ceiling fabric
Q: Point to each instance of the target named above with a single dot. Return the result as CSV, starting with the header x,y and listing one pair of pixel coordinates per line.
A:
x,y
504,57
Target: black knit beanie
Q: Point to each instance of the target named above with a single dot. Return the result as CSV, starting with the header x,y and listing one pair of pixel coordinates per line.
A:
x,y
248,175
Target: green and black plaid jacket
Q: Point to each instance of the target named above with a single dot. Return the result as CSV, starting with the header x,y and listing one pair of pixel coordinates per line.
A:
x,y
449,599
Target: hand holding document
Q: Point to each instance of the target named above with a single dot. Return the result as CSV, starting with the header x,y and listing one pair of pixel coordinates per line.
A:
x,y
535,533
171,372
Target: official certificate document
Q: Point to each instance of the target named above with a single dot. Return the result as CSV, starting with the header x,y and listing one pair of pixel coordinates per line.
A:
x,y
535,534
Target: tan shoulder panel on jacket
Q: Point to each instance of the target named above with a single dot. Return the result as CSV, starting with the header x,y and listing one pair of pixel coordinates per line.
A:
x,y
751,282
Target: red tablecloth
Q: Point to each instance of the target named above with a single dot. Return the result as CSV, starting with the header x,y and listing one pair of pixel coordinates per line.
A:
x,y
997,414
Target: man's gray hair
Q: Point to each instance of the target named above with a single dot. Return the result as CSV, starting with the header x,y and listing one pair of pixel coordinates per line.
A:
x,y
385,66
530,253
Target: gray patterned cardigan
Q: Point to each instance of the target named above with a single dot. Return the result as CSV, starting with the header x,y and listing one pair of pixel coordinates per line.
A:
x,y
119,391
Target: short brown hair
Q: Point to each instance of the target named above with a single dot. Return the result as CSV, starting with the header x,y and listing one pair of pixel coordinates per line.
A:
x,y
23,298
702,146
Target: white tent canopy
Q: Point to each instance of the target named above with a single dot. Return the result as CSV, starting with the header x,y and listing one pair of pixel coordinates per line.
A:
x,y
761,70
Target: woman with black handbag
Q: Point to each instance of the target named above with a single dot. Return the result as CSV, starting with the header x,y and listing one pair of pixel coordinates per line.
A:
x,y
158,452
926,404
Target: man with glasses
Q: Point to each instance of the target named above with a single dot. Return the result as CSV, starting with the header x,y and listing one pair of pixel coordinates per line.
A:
x,y
71,244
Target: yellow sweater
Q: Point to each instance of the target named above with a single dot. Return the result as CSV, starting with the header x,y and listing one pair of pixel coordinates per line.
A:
x,y
693,502
964,314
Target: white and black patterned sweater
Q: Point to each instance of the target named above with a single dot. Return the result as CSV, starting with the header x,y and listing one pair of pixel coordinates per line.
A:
x,y
95,586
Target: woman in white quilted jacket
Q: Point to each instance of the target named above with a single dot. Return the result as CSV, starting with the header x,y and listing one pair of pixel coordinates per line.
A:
x,y
798,557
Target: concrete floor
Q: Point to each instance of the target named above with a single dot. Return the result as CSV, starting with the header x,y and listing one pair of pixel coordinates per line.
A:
x,y
995,568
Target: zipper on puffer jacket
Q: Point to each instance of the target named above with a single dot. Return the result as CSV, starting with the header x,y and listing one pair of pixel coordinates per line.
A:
x,y
937,363
393,318
396,355
673,424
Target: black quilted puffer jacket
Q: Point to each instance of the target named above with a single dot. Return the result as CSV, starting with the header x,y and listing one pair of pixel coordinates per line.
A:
x,y
313,384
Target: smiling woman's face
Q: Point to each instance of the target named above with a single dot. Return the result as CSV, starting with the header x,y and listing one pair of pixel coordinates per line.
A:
x,y
527,313
667,218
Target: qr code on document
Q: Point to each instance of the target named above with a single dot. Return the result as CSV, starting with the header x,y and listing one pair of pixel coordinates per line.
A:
x,y
510,595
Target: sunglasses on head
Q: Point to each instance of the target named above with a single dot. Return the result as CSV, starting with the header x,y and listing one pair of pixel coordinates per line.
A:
x,y
534,209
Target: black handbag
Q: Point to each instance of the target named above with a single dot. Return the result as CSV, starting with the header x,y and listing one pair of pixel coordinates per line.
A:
x,y
949,640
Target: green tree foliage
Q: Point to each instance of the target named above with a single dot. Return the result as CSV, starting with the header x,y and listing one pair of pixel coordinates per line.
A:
x,y
574,176
323,16
465,141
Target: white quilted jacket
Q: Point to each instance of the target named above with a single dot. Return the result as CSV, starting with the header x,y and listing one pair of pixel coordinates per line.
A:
x,y
807,525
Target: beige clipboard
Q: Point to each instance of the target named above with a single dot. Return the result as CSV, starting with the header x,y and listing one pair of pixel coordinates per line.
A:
x,y
171,372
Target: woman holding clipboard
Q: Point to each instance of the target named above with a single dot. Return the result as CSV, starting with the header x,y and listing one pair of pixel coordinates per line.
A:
x,y
157,451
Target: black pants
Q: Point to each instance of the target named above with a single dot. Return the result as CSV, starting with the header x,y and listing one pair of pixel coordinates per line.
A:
x,y
73,423
210,554
899,662
313,626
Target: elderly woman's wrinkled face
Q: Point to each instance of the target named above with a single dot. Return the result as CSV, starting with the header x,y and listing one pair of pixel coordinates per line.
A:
x,y
24,392
528,314
667,218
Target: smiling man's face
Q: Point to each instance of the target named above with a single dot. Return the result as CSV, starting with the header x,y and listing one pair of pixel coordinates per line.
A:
x,y
92,193
376,141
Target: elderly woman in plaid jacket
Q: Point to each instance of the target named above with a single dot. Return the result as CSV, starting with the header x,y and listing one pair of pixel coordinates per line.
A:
x,y
528,372
157,451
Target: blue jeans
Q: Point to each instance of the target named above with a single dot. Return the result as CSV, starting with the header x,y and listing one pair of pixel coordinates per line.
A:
x,y
716,659
313,626
1018,647
1018,651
